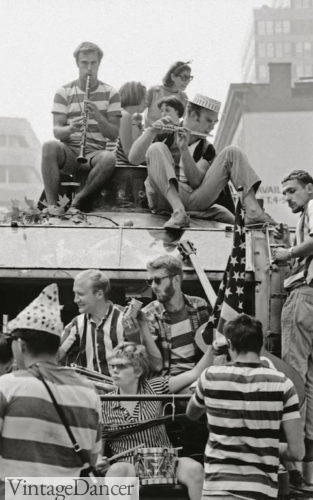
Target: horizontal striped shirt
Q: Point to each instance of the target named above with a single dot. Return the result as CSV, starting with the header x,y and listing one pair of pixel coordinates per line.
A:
x,y
114,413
89,344
160,327
33,440
245,404
69,101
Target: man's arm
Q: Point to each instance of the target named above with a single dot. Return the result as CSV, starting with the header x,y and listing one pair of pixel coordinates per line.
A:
x,y
194,172
294,449
61,129
184,379
304,249
109,125
139,148
154,355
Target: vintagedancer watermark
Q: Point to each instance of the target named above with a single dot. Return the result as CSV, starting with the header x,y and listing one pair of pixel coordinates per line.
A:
x,y
74,488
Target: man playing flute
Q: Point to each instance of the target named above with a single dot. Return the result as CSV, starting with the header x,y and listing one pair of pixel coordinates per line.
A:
x,y
184,173
103,111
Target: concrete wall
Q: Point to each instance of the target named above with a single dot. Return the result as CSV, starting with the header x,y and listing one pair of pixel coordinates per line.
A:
x,y
277,143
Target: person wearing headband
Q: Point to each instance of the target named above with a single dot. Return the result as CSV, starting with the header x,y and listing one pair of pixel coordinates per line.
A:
x,y
186,175
34,442
175,82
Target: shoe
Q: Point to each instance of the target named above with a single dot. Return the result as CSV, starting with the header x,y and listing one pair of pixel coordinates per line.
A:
x,y
259,220
54,211
177,221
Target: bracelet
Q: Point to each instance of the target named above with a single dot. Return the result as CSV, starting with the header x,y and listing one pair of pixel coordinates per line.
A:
x,y
290,253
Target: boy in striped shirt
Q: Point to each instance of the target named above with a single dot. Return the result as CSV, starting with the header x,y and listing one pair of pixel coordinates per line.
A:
x,y
246,405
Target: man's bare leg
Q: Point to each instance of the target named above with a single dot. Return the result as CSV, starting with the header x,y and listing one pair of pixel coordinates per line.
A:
x,y
102,169
52,158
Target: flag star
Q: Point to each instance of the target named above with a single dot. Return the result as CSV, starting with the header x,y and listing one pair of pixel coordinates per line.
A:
x,y
227,292
242,213
242,275
233,260
239,290
212,318
240,305
236,275
238,229
242,245
219,307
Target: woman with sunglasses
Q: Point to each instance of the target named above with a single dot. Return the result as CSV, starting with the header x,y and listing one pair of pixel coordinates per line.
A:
x,y
129,368
174,82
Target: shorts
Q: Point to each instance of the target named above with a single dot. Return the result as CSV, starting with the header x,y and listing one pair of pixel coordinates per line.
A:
x,y
69,165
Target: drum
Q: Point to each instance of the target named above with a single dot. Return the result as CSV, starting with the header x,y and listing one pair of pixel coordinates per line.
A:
x,y
156,465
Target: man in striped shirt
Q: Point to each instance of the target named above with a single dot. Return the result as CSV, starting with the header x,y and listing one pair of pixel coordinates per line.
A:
x,y
89,339
174,317
104,112
246,405
33,441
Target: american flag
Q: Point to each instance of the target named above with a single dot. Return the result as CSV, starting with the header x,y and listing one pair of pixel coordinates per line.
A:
x,y
230,297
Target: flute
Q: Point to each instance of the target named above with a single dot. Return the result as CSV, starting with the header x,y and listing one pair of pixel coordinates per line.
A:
x,y
173,128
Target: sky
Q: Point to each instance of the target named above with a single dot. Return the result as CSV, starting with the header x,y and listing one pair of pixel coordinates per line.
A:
x,y
140,40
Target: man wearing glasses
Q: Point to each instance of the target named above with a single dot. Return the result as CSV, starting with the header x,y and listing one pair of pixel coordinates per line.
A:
x,y
186,175
174,317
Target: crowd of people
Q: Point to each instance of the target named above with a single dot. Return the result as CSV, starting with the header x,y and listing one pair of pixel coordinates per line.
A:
x,y
184,172
255,423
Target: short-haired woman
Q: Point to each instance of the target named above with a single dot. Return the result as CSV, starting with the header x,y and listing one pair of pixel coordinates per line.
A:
x,y
129,370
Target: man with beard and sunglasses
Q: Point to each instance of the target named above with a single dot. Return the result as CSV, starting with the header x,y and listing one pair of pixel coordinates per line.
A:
x,y
174,317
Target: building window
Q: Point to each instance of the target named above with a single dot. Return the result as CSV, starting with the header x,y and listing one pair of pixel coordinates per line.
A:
x,y
298,4
263,72
299,47
278,27
299,68
307,47
278,49
269,27
286,26
307,70
261,27
287,48
270,50
261,49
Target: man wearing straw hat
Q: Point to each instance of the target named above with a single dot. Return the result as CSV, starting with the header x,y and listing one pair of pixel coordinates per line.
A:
x,y
186,174
34,442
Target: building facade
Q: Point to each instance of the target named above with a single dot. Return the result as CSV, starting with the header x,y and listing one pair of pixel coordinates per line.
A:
x,y
282,32
273,124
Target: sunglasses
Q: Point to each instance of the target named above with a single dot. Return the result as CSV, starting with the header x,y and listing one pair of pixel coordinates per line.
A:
x,y
185,78
157,280
119,366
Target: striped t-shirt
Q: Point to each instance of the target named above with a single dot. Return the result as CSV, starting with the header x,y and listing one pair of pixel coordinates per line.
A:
x,y
245,404
114,414
183,349
33,440
89,344
68,101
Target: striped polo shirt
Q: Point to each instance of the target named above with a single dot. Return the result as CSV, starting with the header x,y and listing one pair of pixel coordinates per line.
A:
x,y
245,404
69,100
115,414
89,344
33,440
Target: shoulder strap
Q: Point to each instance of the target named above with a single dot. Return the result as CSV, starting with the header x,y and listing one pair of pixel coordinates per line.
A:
x,y
76,447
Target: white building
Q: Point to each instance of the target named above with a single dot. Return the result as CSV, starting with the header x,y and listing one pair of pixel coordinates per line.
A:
x,y
273,124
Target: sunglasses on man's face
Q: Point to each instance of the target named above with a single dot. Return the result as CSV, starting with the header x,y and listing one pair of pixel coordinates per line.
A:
x,y
157,279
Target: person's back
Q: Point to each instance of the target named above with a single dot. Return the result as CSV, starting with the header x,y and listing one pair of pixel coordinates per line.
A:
x,y
33,440
245,404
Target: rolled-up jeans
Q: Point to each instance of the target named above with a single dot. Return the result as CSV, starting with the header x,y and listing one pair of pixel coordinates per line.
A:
x,y
297,344
230,164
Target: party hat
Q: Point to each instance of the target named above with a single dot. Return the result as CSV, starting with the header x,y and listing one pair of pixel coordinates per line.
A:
x,y
43,313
